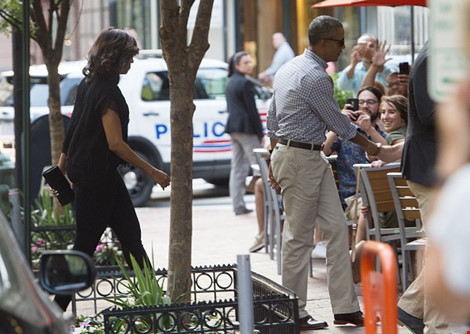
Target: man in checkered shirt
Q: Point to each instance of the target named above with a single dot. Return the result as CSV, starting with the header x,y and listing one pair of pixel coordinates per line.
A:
x,y
302,110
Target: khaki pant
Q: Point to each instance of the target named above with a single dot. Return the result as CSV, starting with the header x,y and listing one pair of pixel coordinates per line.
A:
x,y
310,197
414,300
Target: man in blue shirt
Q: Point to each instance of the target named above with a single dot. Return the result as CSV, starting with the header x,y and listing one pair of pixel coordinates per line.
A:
x,y
352,76
283,54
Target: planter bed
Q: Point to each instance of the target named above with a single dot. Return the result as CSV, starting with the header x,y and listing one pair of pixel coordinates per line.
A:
x,y
213,307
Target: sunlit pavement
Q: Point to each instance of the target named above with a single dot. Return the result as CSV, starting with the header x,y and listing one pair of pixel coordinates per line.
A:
x,y
219,236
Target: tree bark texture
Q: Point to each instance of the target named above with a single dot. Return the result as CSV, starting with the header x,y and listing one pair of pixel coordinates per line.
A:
x,y
183,62
51,22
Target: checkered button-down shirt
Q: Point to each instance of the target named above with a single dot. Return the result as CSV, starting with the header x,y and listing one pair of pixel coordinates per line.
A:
x,y
303,107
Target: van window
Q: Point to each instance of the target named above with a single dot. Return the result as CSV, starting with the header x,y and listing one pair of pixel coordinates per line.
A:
x,y
210,84
214,81
68,90
40,91
156,87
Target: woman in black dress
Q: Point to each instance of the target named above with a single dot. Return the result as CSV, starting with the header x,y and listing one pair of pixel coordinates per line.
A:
x,y
95,145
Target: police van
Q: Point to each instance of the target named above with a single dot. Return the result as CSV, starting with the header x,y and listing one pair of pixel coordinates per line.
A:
x,y
146,89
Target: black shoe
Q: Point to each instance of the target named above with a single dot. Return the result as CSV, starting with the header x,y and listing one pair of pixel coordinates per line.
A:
x,y
243,211
355,318
308,323
415,325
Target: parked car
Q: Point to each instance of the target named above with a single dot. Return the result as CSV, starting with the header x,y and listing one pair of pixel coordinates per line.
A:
x,y
146,89
24,306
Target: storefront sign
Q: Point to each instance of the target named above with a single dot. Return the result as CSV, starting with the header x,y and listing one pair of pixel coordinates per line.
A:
x,y
447,63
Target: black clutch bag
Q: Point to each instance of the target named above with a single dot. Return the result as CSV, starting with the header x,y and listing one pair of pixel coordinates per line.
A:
x,y
57,181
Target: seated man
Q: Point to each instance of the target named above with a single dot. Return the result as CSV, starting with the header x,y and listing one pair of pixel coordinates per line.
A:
x,y
350,153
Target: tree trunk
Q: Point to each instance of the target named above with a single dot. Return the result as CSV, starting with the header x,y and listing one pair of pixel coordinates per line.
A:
x,y
183,63
182,109
56,123
52,44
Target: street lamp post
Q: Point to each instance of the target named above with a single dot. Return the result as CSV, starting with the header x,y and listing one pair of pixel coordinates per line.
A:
x,y
26,129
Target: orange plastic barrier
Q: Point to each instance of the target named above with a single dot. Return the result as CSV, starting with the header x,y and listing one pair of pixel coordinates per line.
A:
x,y
379,288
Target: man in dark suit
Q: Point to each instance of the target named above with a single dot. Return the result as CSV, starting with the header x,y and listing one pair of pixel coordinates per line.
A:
x,y
418,162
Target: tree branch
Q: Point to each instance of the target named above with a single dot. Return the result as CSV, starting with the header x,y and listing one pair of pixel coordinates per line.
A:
x,y
170,13
185,10
62,18
173,32
10,19
199,41
37,17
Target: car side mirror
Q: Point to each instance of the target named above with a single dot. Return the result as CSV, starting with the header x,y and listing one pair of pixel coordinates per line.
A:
x,y
66,272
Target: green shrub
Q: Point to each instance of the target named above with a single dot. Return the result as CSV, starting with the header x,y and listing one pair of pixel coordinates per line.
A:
x,y
340,95
46,215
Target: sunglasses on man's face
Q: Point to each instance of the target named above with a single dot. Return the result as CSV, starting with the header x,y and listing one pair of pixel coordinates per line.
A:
x,y
339,41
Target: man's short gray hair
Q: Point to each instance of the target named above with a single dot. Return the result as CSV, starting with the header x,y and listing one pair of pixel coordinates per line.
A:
x,y
321,27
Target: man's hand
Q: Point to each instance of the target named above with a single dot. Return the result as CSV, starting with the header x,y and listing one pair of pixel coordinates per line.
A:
x,y
272,181
404,79
364,122
378,59
356,55
352,115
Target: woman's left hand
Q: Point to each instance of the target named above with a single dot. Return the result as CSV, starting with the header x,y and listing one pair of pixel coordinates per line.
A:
x,y
54,192
377,163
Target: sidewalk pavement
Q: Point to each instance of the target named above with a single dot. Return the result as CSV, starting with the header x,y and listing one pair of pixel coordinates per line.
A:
x,y
219,236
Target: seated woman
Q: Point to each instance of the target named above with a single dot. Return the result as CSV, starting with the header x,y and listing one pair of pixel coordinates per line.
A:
x,y
394,118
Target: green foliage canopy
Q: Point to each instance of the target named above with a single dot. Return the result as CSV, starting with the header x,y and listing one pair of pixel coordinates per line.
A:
x,y
11,16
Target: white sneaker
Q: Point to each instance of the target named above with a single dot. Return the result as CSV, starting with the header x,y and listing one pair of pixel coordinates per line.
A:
x,y
319,252
258,244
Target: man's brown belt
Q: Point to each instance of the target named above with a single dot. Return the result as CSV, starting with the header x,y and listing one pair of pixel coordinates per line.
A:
x,y
306,146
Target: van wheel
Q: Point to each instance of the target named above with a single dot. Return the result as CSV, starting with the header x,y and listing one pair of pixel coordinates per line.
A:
x,y
138,183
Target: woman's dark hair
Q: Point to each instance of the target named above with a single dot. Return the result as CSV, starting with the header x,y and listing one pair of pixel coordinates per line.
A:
x,y
400,103
235,60
111,51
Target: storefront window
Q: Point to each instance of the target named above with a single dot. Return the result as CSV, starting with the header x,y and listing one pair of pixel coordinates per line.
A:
x,y
351,18
141,16
391,24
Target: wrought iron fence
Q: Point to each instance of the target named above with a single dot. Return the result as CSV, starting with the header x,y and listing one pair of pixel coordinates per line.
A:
x,y
213,307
